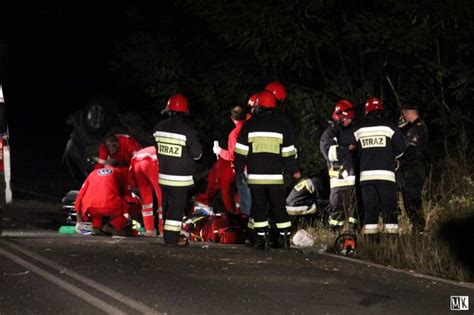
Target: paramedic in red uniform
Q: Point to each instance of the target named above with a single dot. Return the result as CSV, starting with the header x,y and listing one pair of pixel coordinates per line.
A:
x,y
103,195
144,175
222,175
119,147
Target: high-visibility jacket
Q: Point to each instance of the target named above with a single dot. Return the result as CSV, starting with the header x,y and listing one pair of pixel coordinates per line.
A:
x,y
232,140
380,143
144,171
307,196
177,148
104,188
127,147
334,145
267,147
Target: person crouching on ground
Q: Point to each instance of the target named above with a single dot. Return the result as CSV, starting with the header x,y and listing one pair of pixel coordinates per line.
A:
x,y
103,195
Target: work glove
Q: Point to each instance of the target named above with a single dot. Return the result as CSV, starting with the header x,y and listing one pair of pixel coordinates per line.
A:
x,y
216,148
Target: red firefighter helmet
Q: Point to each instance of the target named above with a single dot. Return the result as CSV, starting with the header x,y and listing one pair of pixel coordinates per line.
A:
x,y
373,104
177,103
265,99
343,109
277,89
251,101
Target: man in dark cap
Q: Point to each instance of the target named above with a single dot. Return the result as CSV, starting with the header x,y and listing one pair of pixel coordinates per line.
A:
x,y
411,172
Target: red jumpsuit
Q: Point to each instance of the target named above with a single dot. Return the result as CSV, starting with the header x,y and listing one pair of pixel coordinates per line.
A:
x,y
127,147
144,175
103,195
222,175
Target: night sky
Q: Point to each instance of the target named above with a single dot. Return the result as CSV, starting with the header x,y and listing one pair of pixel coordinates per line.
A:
x,y
53,61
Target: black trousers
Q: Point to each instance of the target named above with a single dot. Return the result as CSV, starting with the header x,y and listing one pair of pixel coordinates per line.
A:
x,y
379,197
270,202
342,205
174,204
412,178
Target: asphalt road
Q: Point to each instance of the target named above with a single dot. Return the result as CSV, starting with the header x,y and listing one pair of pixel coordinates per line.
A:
x,y
43,272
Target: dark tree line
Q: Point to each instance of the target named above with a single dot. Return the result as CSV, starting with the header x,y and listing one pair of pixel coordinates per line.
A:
x,y
219,52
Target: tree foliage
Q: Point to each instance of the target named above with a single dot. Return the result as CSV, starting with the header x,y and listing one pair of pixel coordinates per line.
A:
x,y
321,50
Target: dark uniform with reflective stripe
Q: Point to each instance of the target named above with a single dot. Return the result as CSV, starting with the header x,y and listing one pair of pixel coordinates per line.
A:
x,y
379,144
177,148
266,146
411,174
307,196
334,145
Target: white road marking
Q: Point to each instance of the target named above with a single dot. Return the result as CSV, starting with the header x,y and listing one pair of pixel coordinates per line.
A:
x,y
392,269
109,309
87,281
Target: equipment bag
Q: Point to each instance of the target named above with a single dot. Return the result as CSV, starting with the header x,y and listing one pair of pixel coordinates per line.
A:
x,y
231,235
210,230
226,229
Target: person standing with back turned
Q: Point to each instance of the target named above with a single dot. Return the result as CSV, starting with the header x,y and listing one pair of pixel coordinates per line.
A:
x,y
266,146
380,143
177,148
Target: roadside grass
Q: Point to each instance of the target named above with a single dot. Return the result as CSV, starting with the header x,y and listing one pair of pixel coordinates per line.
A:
x,y
444,249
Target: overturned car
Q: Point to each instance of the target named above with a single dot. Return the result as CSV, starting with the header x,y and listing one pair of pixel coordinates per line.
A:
x,y
89,127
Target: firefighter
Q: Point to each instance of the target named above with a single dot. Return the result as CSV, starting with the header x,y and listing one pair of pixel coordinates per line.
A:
x,y
143,175
411,173
222,176
103,195
379,143
266,147
279,91
119,147
307,196
177,148
337,144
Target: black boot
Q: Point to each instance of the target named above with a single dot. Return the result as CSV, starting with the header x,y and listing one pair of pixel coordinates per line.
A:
x,y
173,239
274,237
261,239
284,239
249,237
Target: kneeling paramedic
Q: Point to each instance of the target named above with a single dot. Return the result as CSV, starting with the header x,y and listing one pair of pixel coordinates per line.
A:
x,y
103,195
266,147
